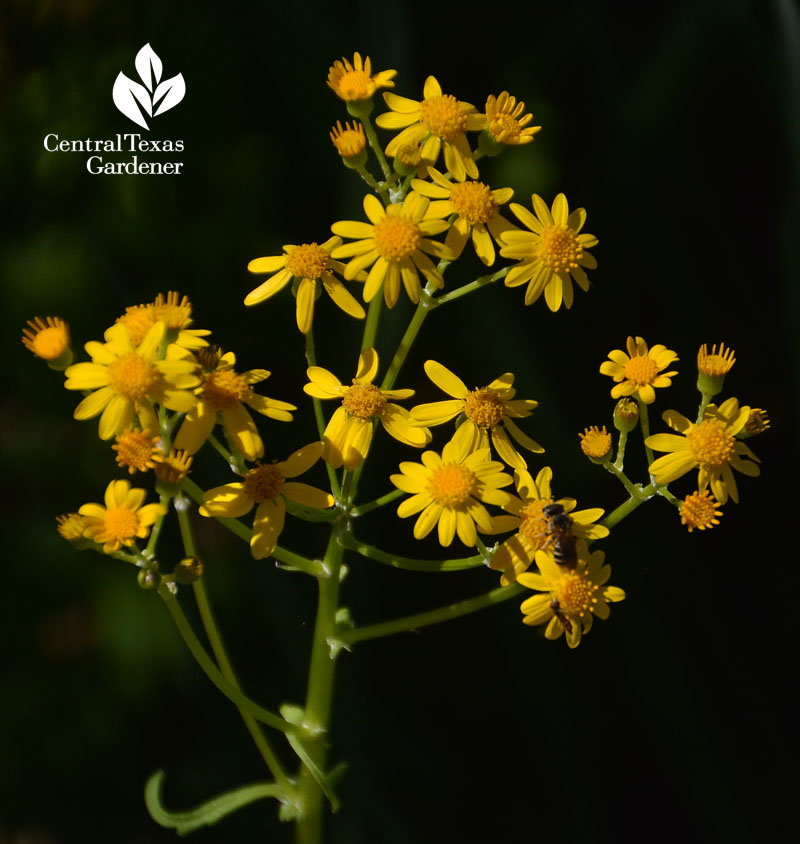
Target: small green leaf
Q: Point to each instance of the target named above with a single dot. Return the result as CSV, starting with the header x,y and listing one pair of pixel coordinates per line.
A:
x,y
323,781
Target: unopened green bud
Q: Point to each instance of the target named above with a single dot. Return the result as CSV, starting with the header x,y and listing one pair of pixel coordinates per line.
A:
x,y
188,570
149,578
626,415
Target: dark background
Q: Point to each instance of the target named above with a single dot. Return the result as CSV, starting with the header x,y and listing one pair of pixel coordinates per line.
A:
x,y
676,125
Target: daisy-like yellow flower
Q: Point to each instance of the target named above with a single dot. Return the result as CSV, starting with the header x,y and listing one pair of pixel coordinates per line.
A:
x,y
595,444
48,339
127,378
175,311
311,264
394,244
348,434
448,490
226,391
552,254
478,212
572,597
699,511
505,122
354,81
489,410
137,450
533,528
266,486
639,371
710,446
439,121
350,141
123,520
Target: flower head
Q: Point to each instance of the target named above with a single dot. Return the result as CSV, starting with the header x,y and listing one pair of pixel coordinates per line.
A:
x,y
699,510
757,423
552,254
267,488
350,141
127,378
226,391
394,244
137,450
710,446
448,490
595,444
489,410
71,526
123,520
712,367
348,434
48,339
639,371
439,121
173,468
534,530
571,597
311,264
505,123
354,81
477,207
175,311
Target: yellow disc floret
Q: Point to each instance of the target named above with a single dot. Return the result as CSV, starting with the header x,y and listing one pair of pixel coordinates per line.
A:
x,y
595,443
533,524
451,484
173,468
576,594
699,510
132,377
137,450
138,319
175,312
349,141
223,388
473,201
47,338
443,116
641,369
711,443
484,407
364,401
715,363
559,248
263,483
71,526
309,260
396,237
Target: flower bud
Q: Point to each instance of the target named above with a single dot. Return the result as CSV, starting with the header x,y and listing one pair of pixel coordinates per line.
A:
x,y
626,415
188,570
712,367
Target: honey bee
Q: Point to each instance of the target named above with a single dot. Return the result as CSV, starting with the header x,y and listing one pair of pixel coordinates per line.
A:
x,y
559,526
555,606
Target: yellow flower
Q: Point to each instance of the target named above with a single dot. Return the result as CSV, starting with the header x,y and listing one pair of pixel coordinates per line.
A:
x,y
488,410
477,207
448,490
757,423
349,141
48,339
348,434
71,526
710,445
128,378
173,468
354,81
595,444
504,123
551,254
312,265
438,121
174,311
394,244
639,371
572,597
137,450
534,533
712,367
699,510
266,486
226,391
123,519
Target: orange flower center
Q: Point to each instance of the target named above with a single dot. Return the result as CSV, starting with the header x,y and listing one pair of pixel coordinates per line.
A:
x,y
354,85
533,525
308,261
473,201
716,363
641,369
504,127
50,341
559,248
576,594
138,319
174,313
121,525
396,237
451,485
263,483
224,388
711,444
443,116
595,443
699,510
349,141
364,401
135,450
132,377
484,407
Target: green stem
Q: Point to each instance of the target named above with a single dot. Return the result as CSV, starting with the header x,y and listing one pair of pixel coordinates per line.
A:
x,y
426,303
471,287
705,398
378,502
371,324
375,145
368,178
634,490
398,562
424,619
626,508
623,440
164,500
644,421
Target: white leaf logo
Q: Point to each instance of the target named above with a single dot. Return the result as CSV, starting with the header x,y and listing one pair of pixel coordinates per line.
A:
x,y
131,98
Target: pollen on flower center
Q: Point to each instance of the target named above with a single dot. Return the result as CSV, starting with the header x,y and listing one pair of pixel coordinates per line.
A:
x,y
443,116
473,201
533,524
308,261
121,524
50,343
559,248
138,319
132,377
484,407
710,443
224,388
641,369
504,127
354,85
451,484
364,401
396,237
576,594
263,483
699,510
